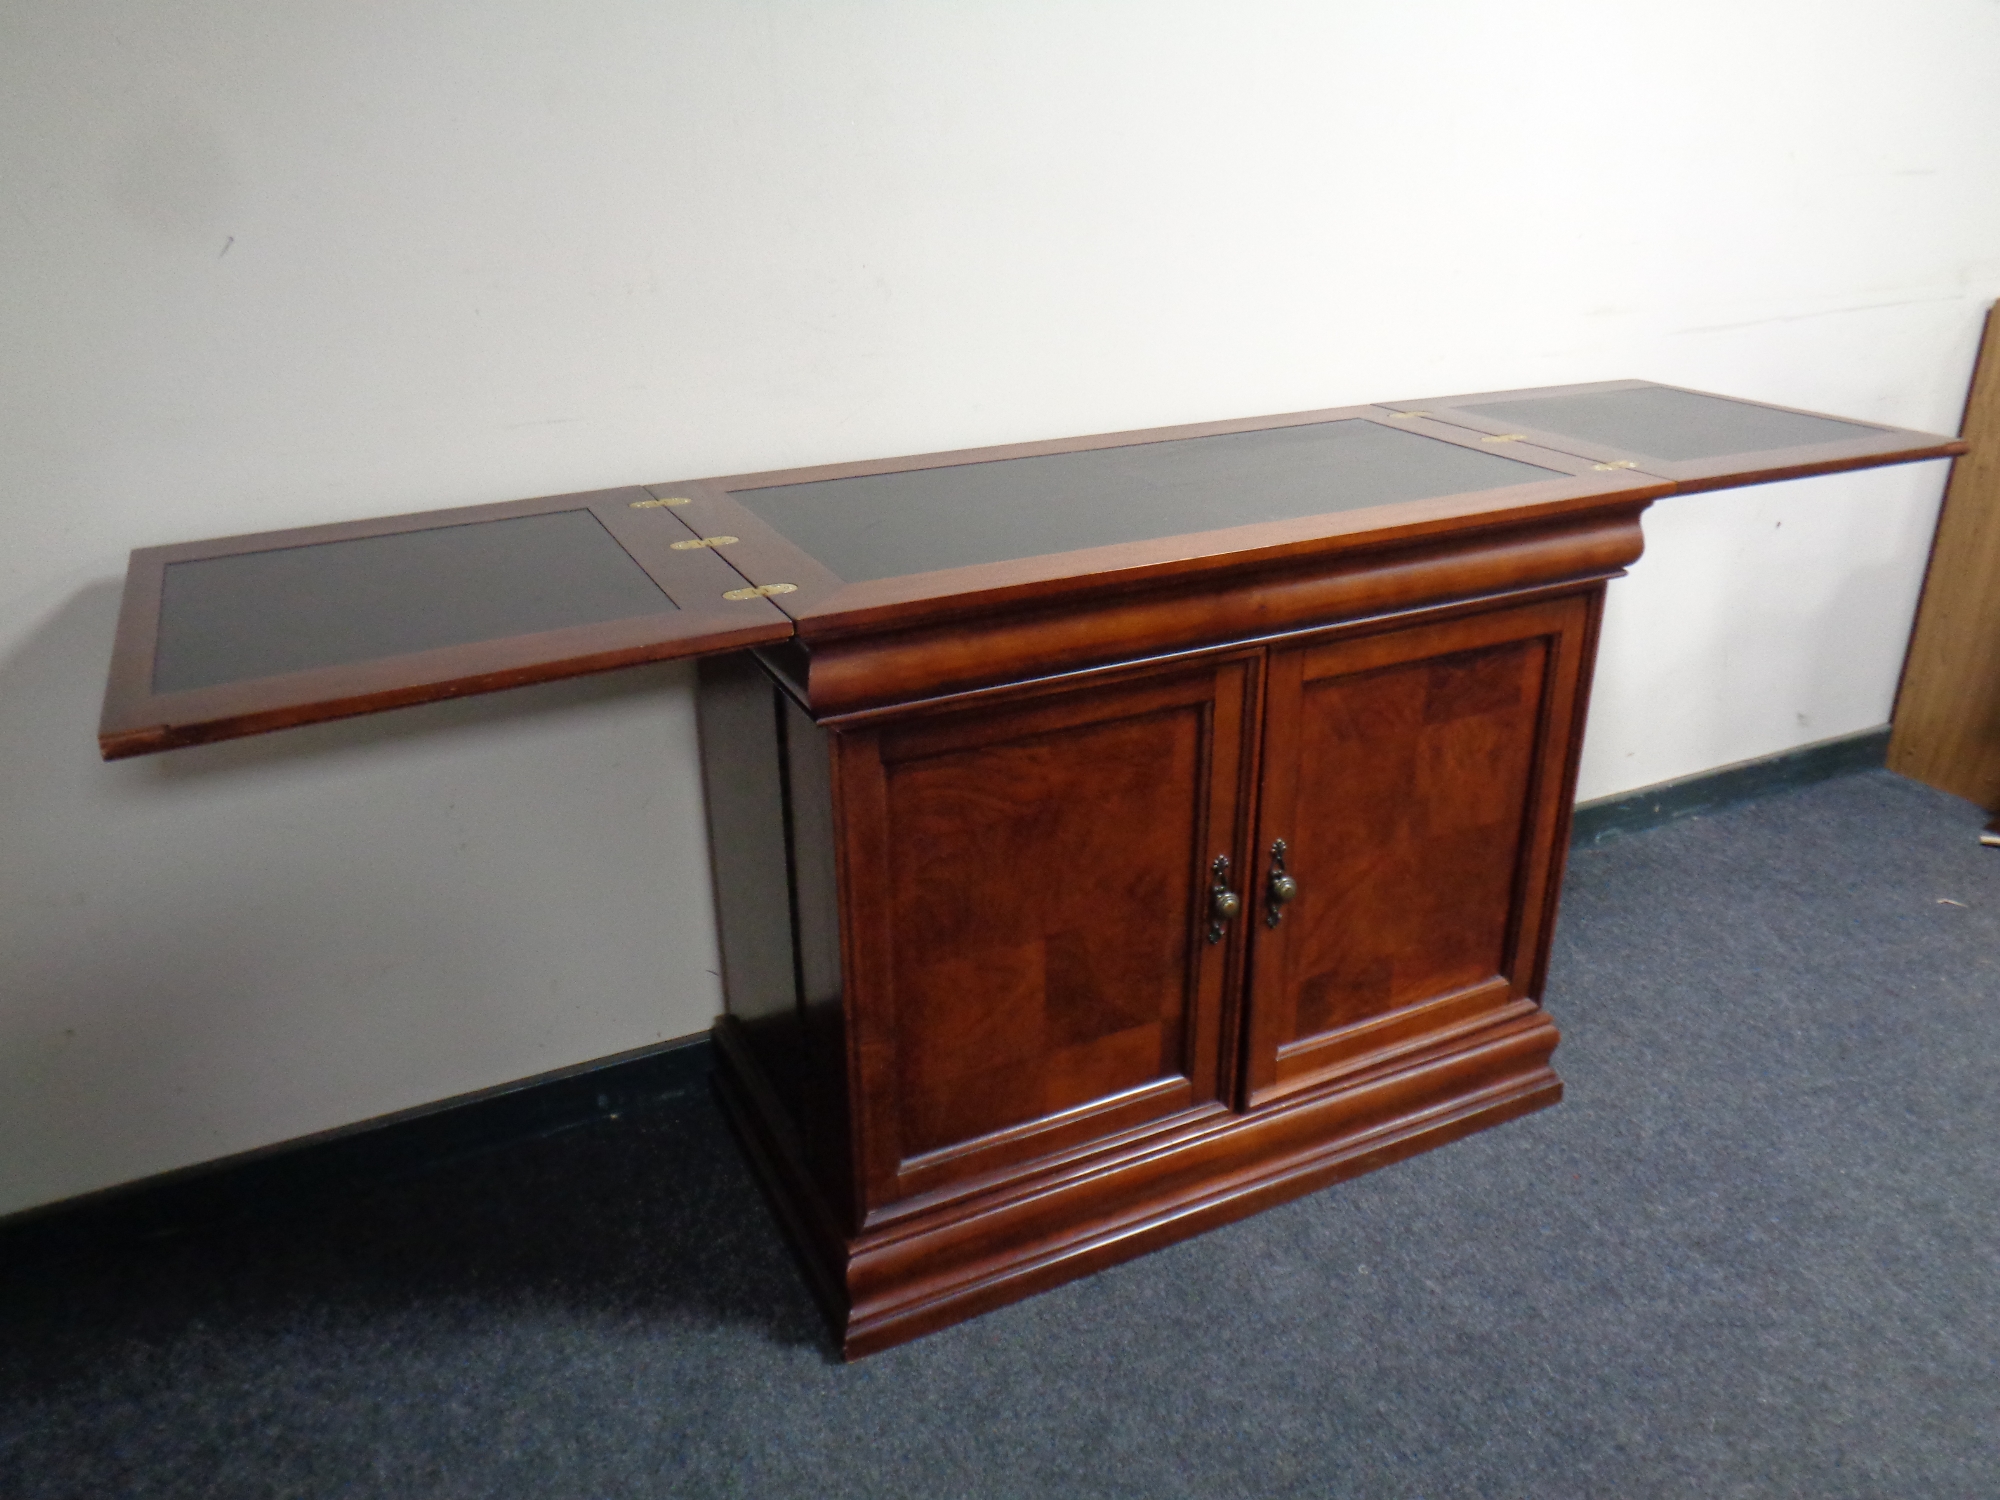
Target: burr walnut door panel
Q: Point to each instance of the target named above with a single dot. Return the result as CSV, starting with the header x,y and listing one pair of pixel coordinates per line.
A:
x,y
1028,891
1414,795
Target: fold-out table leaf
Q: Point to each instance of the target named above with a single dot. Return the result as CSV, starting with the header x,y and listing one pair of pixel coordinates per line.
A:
x,y
251,633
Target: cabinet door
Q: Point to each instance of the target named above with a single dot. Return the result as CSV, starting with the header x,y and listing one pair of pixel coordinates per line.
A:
x,y
1027,894
1418,782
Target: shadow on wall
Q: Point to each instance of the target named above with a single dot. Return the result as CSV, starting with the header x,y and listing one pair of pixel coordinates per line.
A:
x,y
225,946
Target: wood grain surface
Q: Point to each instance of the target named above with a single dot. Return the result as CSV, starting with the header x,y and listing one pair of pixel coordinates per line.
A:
x,y
1946,730
1027,920
1414,778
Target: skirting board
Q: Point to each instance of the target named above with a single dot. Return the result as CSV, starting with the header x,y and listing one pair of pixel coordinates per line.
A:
x,y
1711,791
291,1173
294,1173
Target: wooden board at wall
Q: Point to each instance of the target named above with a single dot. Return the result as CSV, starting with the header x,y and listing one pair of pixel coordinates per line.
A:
x,y
1946,731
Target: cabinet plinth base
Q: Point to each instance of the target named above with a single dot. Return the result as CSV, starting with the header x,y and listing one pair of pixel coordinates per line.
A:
x,y
921,1267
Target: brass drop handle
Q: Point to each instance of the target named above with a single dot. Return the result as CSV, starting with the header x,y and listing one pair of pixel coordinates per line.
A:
x,y
1282,887
1223,903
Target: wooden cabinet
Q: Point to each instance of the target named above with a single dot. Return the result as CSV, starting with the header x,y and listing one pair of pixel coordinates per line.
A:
x,y
1111,837
1123,955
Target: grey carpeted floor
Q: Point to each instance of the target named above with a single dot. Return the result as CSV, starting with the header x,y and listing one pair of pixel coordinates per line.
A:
x,y
1755,1252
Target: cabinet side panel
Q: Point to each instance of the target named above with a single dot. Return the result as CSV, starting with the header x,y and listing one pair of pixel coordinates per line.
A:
x,y
1569,707
815,871
742,777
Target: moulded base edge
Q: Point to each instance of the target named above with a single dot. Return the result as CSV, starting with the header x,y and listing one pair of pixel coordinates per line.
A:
x,y
884,1287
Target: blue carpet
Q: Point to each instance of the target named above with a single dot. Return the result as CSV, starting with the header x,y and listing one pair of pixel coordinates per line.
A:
x,y
1755,1252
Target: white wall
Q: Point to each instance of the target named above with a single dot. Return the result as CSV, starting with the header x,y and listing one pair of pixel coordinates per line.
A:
x,y
271,264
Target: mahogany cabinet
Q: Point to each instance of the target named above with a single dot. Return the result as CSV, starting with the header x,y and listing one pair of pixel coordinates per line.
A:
x,y
1111,837
1085,966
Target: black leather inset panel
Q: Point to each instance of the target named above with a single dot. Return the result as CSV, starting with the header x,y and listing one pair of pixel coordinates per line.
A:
x,y
881,526
256,614
1678,426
